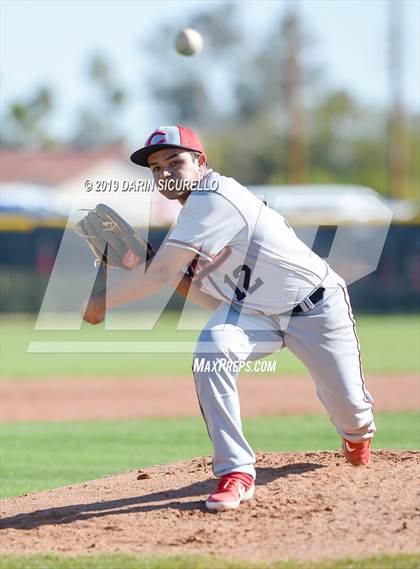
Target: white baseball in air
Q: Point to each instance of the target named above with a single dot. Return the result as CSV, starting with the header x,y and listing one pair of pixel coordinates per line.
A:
x,y
189,42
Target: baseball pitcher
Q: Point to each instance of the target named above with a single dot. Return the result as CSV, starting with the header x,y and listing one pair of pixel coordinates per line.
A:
x,y
232,254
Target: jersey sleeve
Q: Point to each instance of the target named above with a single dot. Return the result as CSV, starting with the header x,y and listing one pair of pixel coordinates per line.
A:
x,y
206,224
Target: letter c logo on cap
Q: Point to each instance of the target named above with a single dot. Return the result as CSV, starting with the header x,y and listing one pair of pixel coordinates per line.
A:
x,y
157,137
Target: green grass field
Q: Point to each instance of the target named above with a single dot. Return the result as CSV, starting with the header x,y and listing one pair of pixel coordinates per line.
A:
x,y
119,561
38,456
389,345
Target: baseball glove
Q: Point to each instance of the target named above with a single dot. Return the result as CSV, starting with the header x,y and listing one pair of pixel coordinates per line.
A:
x,y
112,240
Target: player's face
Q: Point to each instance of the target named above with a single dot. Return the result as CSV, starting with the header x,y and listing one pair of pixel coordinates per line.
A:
x,y
175,172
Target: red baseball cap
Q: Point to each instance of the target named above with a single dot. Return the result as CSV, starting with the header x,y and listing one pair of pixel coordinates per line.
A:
x,y
167,137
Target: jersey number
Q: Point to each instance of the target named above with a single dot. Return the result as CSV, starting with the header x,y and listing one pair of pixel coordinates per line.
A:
x,y
243,287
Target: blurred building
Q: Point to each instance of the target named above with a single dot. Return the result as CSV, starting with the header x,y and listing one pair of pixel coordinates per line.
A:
x,y
60,179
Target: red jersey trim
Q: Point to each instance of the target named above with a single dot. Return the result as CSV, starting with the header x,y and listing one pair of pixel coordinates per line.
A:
x,y
186,244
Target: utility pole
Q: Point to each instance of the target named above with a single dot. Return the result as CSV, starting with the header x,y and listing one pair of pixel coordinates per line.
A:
x,y
397,138
297,146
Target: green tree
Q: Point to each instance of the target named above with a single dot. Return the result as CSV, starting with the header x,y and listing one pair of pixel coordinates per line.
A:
x,y
99,123
348,142
26,121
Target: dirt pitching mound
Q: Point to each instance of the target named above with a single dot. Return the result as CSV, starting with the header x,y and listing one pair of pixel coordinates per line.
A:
x,y
307,506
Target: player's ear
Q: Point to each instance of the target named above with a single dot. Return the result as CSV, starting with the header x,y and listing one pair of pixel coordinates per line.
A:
x,y
202,160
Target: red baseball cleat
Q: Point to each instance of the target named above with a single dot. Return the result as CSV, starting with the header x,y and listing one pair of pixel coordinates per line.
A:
x,y
231,490
357,453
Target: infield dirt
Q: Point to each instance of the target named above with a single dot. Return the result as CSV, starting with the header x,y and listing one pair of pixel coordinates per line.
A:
x,y
77,399
309,505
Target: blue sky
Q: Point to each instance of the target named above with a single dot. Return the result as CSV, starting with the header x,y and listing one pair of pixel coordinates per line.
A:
x,y
47,42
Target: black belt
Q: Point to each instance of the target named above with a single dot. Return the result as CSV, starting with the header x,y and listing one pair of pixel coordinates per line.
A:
x,y
315,297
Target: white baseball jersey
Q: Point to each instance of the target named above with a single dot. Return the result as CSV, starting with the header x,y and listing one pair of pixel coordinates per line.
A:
x,y
248,253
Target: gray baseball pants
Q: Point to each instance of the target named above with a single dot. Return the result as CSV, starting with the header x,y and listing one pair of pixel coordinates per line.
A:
x,y
324,339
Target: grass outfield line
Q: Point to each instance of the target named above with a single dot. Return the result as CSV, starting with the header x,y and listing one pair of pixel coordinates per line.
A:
x,y
389,345
400,561
40,456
